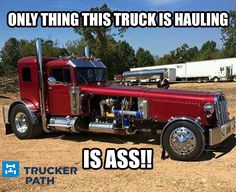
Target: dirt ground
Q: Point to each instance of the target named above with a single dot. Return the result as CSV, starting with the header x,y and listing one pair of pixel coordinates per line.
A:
x,y
214,171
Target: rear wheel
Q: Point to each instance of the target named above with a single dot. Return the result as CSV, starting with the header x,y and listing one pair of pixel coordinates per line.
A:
x,y
216,79
199,80
22,125
234,79
205,80
183,141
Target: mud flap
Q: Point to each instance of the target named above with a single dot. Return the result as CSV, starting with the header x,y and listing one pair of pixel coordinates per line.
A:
x,y
163,154
5,129
8,129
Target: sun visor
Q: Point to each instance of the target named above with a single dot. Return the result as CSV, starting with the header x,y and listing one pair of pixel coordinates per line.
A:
x,y
85,63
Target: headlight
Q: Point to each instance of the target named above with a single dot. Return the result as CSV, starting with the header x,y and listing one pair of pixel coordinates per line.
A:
x,y
209,108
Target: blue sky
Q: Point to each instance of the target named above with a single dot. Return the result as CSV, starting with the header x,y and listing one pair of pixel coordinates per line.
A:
x,y
158,40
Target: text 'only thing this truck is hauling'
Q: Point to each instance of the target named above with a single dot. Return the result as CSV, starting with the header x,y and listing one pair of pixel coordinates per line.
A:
x,y
71,95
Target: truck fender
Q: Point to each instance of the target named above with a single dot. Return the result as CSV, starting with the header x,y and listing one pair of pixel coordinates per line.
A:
x,y
31,108
174,120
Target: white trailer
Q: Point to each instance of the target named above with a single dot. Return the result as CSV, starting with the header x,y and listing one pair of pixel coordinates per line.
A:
x,y
216,70
201,71
180,70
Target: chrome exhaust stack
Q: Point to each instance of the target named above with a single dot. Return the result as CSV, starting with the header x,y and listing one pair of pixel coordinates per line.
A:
x,y
39,54
86,51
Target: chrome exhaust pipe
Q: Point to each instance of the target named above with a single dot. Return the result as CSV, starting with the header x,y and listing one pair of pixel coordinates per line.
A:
x,y
86,51
67,124
102,127
38,46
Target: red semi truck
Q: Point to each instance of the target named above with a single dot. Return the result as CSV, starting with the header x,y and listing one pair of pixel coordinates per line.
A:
x,y
71,95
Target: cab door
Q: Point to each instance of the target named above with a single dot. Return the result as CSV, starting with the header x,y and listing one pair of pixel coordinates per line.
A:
x,y
58,93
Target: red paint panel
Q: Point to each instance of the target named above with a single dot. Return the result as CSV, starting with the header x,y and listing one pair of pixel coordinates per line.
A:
x,y
163,104
59,100
30,90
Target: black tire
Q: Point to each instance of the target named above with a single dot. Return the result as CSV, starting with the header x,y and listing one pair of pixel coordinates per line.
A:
x,y
216,79
199,141
31,130
205,80
234,79
199,80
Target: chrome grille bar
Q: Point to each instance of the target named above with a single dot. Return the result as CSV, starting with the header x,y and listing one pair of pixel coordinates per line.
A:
x,y
221,109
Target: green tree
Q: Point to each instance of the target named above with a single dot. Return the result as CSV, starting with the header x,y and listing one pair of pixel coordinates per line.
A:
x,y
63,52
126,55
27,48
181,54
209,51
144,58
192,54
50,48
76,47
99,38
166,59
112,59
1,69
9,56
156,59
229,37
15,49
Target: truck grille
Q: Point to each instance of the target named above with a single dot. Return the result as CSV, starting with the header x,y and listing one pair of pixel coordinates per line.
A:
x,y
221,109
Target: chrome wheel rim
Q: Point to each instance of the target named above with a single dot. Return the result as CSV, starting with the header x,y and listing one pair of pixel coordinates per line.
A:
x,y
21,122
182,141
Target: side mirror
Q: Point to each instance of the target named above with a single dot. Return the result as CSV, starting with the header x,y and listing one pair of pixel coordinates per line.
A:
x,y
51,81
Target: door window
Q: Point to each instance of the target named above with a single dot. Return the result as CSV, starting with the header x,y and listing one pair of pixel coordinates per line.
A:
x,y
26,74
61,75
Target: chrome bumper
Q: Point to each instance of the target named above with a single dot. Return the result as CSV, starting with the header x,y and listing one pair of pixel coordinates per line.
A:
x,y
219,134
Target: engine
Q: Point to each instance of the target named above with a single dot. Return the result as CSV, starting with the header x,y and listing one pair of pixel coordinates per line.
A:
x,y
117,115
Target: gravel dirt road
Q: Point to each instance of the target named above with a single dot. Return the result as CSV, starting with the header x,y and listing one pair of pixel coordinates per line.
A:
x,y
214,171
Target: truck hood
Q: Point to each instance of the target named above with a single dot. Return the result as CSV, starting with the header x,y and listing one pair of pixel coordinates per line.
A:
x,y
143,92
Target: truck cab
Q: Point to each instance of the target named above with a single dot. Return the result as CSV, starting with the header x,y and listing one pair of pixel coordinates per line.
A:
x,y
224,74
64,75
71,95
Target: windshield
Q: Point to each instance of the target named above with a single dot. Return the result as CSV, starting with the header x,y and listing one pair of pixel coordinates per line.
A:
x,y
87,75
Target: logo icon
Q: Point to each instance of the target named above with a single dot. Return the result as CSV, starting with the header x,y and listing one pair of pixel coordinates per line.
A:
x,y
10,169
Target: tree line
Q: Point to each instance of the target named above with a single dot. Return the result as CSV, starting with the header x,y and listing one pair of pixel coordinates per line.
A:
x,y
119,56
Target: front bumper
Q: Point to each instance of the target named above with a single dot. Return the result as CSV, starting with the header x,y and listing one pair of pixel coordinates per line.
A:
x,y
219,134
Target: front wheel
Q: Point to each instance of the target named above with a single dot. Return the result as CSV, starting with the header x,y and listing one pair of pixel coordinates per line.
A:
x,y
22,125
183,141
234,79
